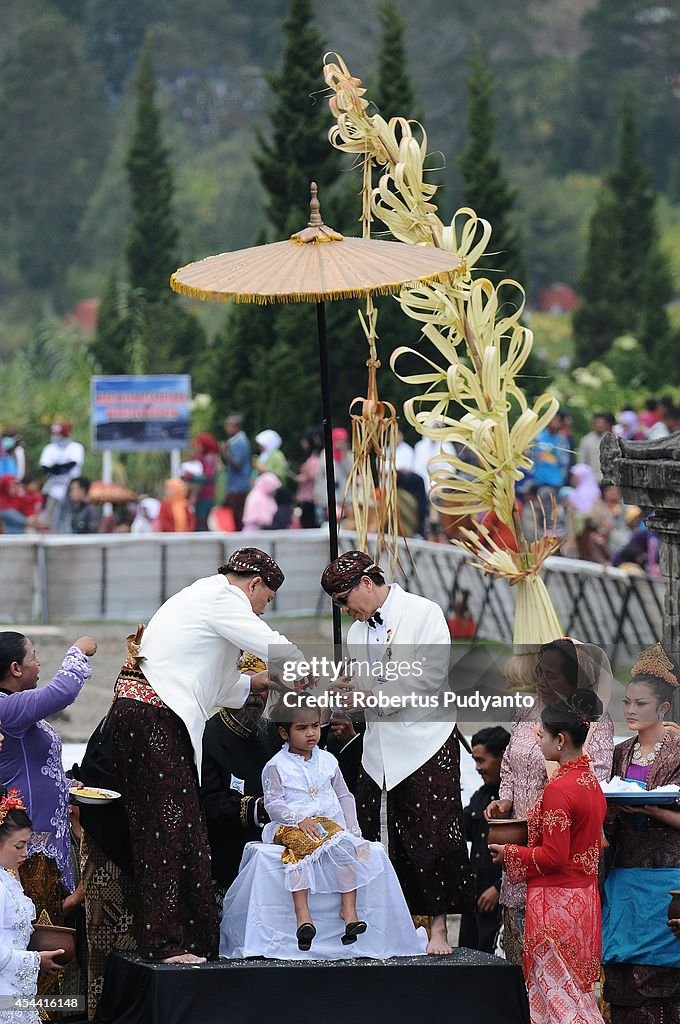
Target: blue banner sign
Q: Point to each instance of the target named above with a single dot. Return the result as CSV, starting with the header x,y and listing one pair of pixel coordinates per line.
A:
x,y
146,413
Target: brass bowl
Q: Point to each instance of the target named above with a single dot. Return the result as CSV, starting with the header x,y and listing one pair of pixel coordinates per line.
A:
x,y
51,936
508,830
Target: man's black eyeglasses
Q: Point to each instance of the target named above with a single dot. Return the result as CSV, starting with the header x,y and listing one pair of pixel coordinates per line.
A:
x,y
341,599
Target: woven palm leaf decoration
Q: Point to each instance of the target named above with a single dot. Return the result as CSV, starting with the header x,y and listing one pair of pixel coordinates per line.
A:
x,y
478,352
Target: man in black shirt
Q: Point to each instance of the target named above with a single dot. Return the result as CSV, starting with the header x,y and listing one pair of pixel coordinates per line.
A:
x,y
84,516
236,747
479,929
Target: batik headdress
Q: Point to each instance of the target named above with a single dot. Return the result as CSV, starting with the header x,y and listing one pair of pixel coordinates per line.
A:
x,y
654,662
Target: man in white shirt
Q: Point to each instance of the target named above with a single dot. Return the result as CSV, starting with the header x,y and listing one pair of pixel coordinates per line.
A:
x,y
184,667
667,425
62,459
403,454
411,751
589,447
427,459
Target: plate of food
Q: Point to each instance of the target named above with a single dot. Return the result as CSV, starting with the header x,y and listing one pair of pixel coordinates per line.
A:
x,y
94,795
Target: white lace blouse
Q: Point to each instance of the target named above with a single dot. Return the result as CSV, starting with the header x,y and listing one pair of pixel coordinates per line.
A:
x,y
295,789
18,967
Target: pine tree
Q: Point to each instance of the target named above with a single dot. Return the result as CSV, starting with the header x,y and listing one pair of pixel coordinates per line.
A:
x,y
656,334
108,347
153,232
296,150
274,351
148,325
238,366
600,317
486,189
631,188
636,41
394,96
626,282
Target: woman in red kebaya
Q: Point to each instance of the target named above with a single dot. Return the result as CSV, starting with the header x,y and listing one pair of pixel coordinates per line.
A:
x,y
562,942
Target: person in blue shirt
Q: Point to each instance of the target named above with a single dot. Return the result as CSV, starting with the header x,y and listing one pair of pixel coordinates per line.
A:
x,y
236,454
551,456
552,461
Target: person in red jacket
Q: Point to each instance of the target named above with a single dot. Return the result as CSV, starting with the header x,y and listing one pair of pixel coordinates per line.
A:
x,y
563,934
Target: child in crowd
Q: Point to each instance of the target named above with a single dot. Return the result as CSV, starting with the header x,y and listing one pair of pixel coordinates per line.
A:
x,y
19,967
313,816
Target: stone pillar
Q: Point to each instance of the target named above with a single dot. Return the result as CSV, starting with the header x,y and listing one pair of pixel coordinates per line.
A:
x,y
648,473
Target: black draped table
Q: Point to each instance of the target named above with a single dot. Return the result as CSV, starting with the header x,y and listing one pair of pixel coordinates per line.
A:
x,y
465,986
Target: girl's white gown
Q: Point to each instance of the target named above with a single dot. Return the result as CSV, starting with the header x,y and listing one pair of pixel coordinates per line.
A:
x,y
258,917
18,967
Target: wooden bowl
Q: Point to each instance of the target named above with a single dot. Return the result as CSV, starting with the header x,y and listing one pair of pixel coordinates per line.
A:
x,y
508,830
51,936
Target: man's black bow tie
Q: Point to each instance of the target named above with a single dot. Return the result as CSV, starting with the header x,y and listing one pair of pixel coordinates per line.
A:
x,y
375,620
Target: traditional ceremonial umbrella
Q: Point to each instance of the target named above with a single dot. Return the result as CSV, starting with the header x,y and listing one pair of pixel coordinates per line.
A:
x,y
313,265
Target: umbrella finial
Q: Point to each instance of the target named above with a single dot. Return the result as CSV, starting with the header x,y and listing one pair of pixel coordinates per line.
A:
x,y
315,219
316,230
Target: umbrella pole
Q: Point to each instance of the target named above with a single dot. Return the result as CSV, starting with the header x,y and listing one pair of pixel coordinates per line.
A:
x,y
328,449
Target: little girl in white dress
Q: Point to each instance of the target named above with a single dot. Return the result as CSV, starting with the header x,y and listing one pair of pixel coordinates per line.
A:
x,y
313,817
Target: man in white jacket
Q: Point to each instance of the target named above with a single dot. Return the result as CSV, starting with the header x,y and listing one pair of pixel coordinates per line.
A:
x,y
185,666
400,646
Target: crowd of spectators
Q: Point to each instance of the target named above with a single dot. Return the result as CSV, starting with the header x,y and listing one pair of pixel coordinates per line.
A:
x,y
233,484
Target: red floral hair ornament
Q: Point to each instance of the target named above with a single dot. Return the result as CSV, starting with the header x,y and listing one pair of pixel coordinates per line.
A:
x,y
12,801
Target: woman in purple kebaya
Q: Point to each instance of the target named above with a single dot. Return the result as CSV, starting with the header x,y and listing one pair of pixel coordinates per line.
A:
x,y
30,761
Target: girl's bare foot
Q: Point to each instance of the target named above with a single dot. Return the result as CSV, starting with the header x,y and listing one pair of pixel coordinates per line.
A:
x,y
184,958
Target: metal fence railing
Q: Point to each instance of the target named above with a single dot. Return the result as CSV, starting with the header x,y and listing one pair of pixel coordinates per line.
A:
x,y
125,577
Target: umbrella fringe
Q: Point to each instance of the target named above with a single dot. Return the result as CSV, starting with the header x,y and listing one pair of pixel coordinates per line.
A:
x,y
206,295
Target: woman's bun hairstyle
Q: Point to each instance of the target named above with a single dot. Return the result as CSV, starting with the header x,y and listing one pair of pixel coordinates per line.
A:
x,y
573,715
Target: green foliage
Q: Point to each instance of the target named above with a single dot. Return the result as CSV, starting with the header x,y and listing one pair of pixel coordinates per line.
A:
x,y
634,41
153,233
486,189
64,202
628,362
175,341
273,351
604,385
142,327
239,363
626,282
554,208
108,346
295,151
115,32
71,9
218,199
49,379
600,318
633,197
394,96
657,337
47,93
